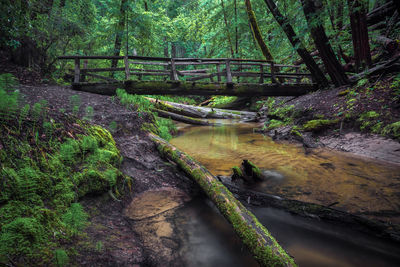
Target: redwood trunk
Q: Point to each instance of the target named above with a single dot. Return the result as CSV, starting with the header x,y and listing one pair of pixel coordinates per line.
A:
x,y
359,30
297,44
256,31
227,29
332,65
119,34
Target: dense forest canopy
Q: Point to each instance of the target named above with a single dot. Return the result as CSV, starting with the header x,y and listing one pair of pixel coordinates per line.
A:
x,y
36,32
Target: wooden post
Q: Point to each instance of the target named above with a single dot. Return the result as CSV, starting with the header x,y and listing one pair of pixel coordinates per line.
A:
x,y
273,79
77,70
218,73
298,80
174,74
126,62
85,65
262,73
228,71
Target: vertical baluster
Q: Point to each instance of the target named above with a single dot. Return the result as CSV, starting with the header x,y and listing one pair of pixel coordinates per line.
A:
x,y
127,71
218,72
174,74
77,70
228,71
273,78
262,73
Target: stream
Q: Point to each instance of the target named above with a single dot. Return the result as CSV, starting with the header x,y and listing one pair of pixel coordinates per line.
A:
x,y
359,186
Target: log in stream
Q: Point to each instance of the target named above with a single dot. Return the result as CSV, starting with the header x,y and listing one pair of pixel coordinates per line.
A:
x,y
254,235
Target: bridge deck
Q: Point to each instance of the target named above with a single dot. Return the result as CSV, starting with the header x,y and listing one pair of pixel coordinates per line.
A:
x,y
233,77
196,88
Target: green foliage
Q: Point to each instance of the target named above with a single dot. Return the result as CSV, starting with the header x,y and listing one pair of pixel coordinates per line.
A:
x,y
89,113
99,246
393,130
163,127
75,218
113,126
75,102
8,97
221,101
369,119
272,124
61,258
316,125
40,178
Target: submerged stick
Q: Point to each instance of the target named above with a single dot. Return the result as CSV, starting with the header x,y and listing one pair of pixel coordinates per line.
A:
x,y
254,235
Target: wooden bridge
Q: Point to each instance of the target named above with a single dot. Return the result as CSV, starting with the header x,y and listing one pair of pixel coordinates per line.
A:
x,y
188,76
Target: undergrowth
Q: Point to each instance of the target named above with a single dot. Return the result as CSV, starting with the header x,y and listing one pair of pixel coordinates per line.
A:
x,y
47,163
165,128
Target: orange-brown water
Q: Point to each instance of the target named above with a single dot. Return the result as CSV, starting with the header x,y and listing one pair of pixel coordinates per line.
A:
x,y
360,185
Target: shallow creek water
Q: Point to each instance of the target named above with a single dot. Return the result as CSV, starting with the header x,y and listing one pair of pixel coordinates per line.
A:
x,y
359,185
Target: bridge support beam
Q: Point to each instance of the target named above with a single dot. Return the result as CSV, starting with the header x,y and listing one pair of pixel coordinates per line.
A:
x,y
196,88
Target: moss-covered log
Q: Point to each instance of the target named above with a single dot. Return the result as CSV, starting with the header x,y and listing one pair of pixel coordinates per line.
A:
x,y
194,88
254,235
202,112
181,118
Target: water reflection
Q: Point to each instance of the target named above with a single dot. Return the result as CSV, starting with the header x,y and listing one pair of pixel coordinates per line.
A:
x,y
358,185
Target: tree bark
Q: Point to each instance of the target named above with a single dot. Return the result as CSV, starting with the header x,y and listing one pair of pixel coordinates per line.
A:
x,y
227,29
254,235
359,31
297,44
256,31
332,65
119,34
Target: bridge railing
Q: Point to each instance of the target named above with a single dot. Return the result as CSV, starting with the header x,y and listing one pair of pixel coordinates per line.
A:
x,y
187,69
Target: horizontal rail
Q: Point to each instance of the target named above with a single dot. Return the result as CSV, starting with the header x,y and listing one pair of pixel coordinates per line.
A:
x,y
168,59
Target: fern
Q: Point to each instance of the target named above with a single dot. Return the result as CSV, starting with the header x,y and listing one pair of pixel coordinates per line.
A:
x,y
75,218
61,258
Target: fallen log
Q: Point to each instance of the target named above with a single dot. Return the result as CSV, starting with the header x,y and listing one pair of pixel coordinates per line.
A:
x,y
389,66
388,44
181,118
202,112
254,235
315,211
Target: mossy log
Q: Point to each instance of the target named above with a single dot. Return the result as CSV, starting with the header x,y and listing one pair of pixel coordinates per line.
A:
x,y
181,118
254,235
202,112
196,88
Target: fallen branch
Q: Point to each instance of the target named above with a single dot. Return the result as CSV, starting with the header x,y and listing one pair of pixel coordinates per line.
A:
x,y
254,235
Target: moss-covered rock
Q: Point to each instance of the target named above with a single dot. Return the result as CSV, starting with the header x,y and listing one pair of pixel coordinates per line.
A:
x,y
317,125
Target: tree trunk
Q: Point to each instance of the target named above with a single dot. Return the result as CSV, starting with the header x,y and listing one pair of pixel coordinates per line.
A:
x,y
254,235
236,31
359,31
119,34
332,65
256,31
227,29
297,44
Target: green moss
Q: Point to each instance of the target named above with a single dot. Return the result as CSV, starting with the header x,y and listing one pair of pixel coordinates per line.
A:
x,y
41,179
393,130
237,171
344,92
316,125
368,120
272,124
